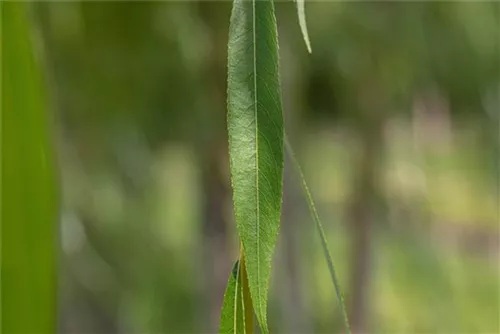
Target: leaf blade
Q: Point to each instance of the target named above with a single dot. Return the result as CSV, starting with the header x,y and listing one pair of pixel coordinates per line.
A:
x,y
232,314
28,229
255,128
237,310
301,12
247,301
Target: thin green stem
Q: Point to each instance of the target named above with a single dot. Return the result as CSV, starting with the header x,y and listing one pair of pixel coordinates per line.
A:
x,y
324,244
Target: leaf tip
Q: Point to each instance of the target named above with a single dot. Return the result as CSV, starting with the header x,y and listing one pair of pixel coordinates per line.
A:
x,y
302,23
308,46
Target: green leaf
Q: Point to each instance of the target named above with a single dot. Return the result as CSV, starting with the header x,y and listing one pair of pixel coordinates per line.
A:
x,y
321,231
255,126
247,301
232,314
28,245
237,311
301,11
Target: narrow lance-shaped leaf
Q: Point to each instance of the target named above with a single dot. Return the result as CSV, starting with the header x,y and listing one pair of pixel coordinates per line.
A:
x,y
28,245
321,232
247,300
232,317
237,310
301,12
255,126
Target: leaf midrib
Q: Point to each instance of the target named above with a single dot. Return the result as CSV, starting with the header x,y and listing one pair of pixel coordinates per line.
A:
x,y
236,300
254,33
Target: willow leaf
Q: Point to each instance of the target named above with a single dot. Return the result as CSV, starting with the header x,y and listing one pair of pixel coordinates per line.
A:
x,y
255,127
247,300
321,232
237,311
28,231
301,11
232,314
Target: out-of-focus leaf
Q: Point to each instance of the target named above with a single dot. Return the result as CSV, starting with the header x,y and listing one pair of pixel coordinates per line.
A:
x,y
301,11
29,197
255,126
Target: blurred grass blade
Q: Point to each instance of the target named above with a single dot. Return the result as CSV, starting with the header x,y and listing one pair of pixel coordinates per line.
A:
x,y
301,11
29,197
324,244
255,126
237,311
